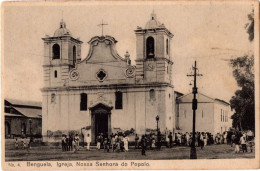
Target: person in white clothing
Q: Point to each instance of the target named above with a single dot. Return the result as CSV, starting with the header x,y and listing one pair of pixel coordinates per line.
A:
x,y
205,137
243,143
187,139
88,140
125,140
225,138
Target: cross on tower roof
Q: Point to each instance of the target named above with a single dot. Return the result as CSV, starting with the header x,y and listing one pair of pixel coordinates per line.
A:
x,y
102,25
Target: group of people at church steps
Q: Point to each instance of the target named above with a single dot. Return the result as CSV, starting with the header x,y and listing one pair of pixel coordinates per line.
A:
x,y
70,143
119,142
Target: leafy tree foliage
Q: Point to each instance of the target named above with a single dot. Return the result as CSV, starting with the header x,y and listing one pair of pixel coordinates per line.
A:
x,y
244,100
250,26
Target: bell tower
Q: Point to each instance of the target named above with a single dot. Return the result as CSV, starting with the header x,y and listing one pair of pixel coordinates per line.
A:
x,y
61,53
153,62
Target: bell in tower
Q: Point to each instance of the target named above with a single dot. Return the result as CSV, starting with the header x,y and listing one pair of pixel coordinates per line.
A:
x,y
150,47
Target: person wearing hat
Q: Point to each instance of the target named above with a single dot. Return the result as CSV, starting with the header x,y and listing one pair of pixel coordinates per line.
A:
x,y
143,145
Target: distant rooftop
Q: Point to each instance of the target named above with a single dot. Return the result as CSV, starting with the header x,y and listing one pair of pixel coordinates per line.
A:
x,y
223,101
22,108
24,102
212,99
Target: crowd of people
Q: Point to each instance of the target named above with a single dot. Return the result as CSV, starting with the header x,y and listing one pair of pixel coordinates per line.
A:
x,y
115,143
70,143
240,140
119,142
201,139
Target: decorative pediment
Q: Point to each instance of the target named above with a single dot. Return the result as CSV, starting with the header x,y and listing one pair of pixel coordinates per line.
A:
x,y
101,107
103,47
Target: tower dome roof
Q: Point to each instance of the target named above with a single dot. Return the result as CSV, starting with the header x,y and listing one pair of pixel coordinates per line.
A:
x,y
153,22
62,30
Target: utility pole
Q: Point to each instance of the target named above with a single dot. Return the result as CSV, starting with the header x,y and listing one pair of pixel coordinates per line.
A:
x,y
193,153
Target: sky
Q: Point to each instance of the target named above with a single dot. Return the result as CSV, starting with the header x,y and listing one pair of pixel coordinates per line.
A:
x,y
209,32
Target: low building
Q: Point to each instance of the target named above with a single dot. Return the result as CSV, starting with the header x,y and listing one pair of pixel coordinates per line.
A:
x,y
212,115
22,118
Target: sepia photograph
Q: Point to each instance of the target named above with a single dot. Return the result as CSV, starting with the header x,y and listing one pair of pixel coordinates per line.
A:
x,y
130,85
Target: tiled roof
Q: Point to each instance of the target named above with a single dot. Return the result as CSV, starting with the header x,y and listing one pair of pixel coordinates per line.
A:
x,y
223,101
30,112
23,102
13,115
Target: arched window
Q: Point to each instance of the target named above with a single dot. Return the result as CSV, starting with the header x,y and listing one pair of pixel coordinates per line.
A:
x,y
152,94
227,115
150,47
74,54
83,101
55,74
119,100
167,46
23,129
56,51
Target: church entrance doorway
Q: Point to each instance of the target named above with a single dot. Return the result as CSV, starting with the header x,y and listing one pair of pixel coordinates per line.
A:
x,y
101,124
100,121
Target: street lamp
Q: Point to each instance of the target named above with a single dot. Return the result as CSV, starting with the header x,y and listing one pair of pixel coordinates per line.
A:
x,y
30,122
157,120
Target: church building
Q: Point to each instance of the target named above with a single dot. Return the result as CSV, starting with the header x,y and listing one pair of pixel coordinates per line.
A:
x,y
104,91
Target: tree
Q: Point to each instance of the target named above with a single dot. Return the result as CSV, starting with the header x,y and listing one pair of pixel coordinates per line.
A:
x,y
243,102
250,26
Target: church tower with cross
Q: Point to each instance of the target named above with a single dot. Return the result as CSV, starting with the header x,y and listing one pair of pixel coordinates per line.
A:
x,y
104,93
61,52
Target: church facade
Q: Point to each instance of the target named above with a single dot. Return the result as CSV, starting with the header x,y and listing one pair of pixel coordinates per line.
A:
x,y
104,91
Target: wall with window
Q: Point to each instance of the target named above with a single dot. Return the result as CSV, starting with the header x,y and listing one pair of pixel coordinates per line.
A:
x,y
139,109
55,76
204,117
222,117
21,126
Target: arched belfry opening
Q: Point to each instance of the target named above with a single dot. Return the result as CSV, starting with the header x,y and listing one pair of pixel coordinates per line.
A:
x,y
56,51
167,47
74,55
150,48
